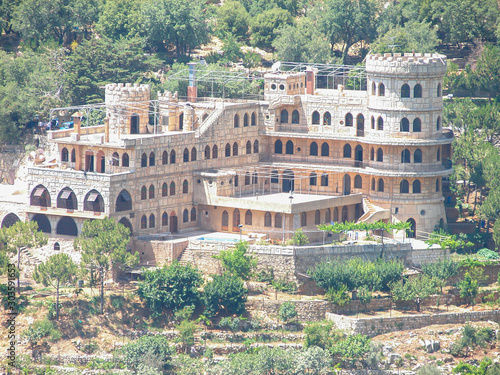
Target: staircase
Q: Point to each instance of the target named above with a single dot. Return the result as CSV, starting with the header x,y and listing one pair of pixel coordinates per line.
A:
x,y
186,257
373,213
211,119
31,259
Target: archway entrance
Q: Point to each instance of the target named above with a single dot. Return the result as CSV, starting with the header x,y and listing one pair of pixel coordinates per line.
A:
x,y
225,220
412,232
358,156
127,224
347,184
288,181
134,124
67,226
360,126
173,222
43,223
236,220
358,211
9,220
89,161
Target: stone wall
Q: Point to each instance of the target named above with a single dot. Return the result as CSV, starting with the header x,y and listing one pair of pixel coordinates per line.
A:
x,y
158,253
377,326
307,311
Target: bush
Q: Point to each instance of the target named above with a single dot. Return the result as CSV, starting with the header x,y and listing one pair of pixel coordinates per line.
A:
x,y
428,369
299,238
321,334
287,312
226,293
487,254
471,338
150,351
339,297
282,285
236,262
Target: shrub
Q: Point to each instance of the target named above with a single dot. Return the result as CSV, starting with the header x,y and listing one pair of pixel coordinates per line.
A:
x,y
236,262
339,297
299,238
226,293
287,312
321,334
488,254
428,369
151,351
282,285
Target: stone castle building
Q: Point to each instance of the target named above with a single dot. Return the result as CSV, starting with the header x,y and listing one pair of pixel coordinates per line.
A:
x,y
313,151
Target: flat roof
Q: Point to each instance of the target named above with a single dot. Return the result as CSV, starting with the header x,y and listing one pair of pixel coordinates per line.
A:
x,y
285,198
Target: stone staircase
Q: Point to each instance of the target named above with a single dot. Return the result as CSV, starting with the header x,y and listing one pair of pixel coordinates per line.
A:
x,y
28,258
186,257
211,119
373,213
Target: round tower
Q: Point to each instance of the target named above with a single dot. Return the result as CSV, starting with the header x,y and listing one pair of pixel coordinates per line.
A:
x,y
406,110
127,108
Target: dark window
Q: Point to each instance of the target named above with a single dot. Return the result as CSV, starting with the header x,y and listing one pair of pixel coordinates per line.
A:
x,y
236,121
405,156
185,187
372,154
358,182
328,216
164,219
278,147
228,150
381,89
172,188
438,123
207,152
255,178
380,123
253,119
164,158
438,155
327,118
313,178
303,219
404,187
115,159
373,122
289,148
245,119
164,190
193,214
125,160
73,156
144,193
248,217
417,156
236,181
404,125
315,118
123,201
268,219
380,185
144,222
374,88
380,155
151,221
313,150
438,91
437,184
348,119
152,159
215,152
64,154
185,155
151,191
235,149
417,91
317,217
193,154
256,147
295,117
325,149
373,184
247,178
417,125
416,187
336,214
172,157
405,91
278,220
248,147
274,177
144,160
185,216
284,116
347,151
324,179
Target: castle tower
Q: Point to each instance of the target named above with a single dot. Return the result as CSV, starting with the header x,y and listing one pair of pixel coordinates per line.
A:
x,y
127,109
406,110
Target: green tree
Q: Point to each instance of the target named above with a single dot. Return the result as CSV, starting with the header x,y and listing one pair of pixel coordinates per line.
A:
x,y
6,13
236,261
351,349
287,312
364,296
441,270
486,77
301,43
414,289
150,351
58,270
265,26
468,287
186,330
233,19
347,22
224,292
172,287
416,36
119,19
231,48
21,235
299,238
103,244
321,334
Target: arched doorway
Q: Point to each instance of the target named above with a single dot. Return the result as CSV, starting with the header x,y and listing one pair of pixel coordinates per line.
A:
x,y
181,121
9,220
358,156
358,211
67,226
345,214
134,124
236,220
89,161
288,181
225,220
123,201
347,184
43,223
101,162
173,222
127,224
412,231
360,125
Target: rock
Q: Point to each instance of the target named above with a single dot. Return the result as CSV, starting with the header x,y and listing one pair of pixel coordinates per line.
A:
x,y
393,357
448,359
429,348
436,345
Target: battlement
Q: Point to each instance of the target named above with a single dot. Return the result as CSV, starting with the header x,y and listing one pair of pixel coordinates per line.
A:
x,y
407,63
168,96
120,92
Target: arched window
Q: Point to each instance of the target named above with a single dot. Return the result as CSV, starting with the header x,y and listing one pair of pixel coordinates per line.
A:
x,y
253,119
417,156
278,147
172,157
185,216
438,154
215,152
373,122
267,219
358,182
193,154
315,118
207,152
64,154
248,147
115,159
417,125
278,220
405,91
373,184
313,150
404,125
151,191
325,149
151,221
164,219
123,201
345,214
289,148
73,155
380,123
417,91
438,123
372,154
152,159
360,122
227,150
417,187
274,176
295,117
144,160
404,187
380,154
193,214
324,179
437,184
185,187
247,178
336,214
381,89
438,90
245,120
164,158
236,121
327,118
255,178
164,190
348,119
248,217
144,222
328,216
144,193
317,217
236,180
172,188
374,88
380,185
225,220
256,147
284,116
313,179
235,149
125,160
405,156
303,219
347,150
185,155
